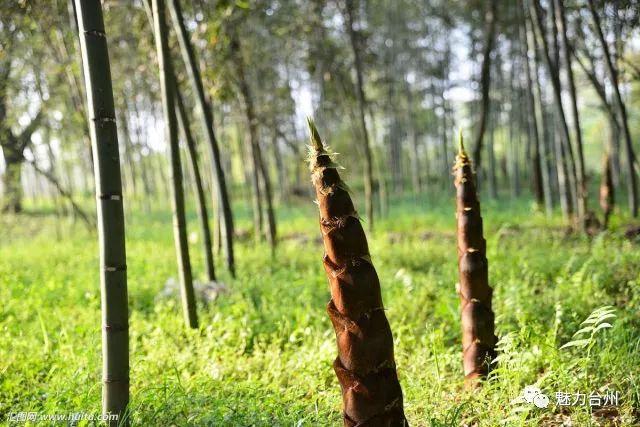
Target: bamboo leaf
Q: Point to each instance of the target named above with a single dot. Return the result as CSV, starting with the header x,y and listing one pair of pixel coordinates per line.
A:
x,y
593,320
584,330
577,343
602,326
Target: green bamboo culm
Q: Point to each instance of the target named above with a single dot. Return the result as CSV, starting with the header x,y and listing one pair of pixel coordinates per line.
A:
x,y
203,215
113,266
219,181
167,84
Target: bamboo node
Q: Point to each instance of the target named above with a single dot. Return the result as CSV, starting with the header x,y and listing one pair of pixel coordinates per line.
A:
x,y
107,379
103,121
97,33
337,222
110,197
116,328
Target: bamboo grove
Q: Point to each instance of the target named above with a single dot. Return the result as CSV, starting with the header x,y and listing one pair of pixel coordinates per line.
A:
x,y
199,105
397,91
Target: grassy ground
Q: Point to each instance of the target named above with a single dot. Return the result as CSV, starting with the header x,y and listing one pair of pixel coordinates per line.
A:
x,y
263,353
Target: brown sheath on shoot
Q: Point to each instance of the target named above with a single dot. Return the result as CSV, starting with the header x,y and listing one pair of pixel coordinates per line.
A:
x,y
365,366
478,338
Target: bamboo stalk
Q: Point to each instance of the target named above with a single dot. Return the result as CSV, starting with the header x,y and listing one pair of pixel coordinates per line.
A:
x,y
203,215
167,80
111,232
219,179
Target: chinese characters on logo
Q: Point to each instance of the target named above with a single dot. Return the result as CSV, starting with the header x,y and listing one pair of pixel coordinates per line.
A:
x,y
610,398
533,394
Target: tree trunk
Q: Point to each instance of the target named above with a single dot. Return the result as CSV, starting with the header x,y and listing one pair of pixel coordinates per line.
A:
x,y
491,169
13,147
416,170
444,145
219,179
111,232
203,216
563,181
395,153
12,184
553,70
281,167
581,180
607,191
167,84
614,147
319,52
259,164
513,145
365,365
416,178
272,236
360,95
613,75
550,146
485,80
252,174
547,145
541,188
519,124
610,109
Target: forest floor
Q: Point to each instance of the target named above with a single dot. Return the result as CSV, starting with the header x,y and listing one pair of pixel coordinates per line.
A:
x,y
263,353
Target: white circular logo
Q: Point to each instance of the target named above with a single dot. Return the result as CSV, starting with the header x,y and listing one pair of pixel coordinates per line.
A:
x,y
541,401
530,392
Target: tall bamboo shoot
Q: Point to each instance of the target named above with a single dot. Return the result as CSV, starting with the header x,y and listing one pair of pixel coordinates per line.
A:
x,y
478,338
365,365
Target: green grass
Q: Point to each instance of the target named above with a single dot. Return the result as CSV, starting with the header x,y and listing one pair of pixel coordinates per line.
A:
x,y
263,353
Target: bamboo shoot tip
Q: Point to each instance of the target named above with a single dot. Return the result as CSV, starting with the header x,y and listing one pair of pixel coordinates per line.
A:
x,y
461,150
316,142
